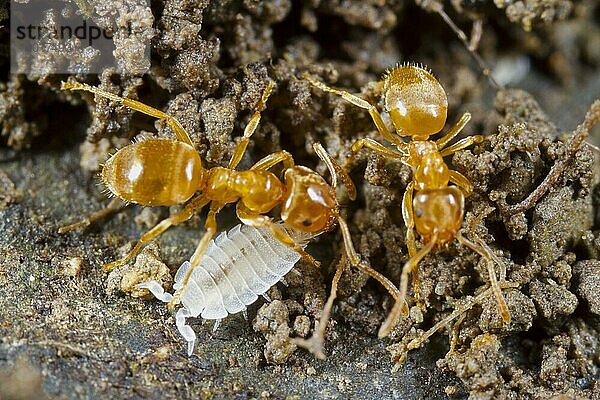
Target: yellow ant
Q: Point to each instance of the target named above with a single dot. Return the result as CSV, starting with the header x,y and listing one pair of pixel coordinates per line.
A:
x,y
166,172
417,105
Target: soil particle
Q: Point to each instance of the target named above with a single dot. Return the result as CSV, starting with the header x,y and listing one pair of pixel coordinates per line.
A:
x,y
587,281
552,300
148,266
17,130
273,321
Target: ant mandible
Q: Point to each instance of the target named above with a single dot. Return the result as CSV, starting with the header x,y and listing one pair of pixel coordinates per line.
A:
x,y
166,172
417,105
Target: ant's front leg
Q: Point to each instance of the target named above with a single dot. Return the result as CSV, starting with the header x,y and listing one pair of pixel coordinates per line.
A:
x,y
241,146
258,220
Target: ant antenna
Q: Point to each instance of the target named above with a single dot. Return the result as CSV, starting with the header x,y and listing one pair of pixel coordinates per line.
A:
x,y
470,46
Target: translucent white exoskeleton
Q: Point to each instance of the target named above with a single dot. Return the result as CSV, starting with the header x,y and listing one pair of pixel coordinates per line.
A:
x,y
237,267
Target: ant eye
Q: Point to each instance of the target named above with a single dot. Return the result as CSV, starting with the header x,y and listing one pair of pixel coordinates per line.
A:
x,y
307,222
419,212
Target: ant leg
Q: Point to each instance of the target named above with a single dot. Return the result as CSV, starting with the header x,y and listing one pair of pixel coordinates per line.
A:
x,y
179,131
454,130
377,148
335,169
462,182
114,206
356,261
400,306
183,215
314,344
273,159
257,220
409,221
211,228
357,101
486,252
461,144
241,146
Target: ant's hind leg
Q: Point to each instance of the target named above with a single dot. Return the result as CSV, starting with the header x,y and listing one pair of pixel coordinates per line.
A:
x,y
183,215
356,261
400,306
357,101
179,131
486,252
114,206
241,146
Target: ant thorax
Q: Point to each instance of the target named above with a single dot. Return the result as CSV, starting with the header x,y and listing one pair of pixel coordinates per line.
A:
x,y
429,169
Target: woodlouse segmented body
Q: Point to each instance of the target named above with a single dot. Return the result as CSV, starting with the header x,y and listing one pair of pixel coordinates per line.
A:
x,y
238,266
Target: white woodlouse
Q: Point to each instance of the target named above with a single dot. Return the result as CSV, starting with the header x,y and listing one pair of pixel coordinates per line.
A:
x,y
237,267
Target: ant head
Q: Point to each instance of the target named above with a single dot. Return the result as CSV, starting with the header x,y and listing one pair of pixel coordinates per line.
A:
x,y
310,204
416,101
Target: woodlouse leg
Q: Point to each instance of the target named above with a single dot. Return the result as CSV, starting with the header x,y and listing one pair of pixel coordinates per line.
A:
x,y
400,306
185,330
114,206
273,159
173,123
211,229
357,101
453,131
357,262
156,289
183,215
490,258
241,146
462,182
335,169
257,220
461,144
314,344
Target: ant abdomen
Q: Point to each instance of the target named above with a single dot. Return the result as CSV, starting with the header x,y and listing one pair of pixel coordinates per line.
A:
x,y
415,100
154,172
439,212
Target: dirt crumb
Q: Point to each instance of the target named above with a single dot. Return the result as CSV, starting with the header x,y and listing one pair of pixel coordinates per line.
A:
x,y
587,282
272,320
147,267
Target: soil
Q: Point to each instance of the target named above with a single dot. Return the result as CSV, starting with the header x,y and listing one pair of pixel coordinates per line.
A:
x,y
70,330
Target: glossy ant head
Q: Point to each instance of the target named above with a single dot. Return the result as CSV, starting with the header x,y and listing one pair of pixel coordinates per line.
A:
x,y
416,101
311,204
